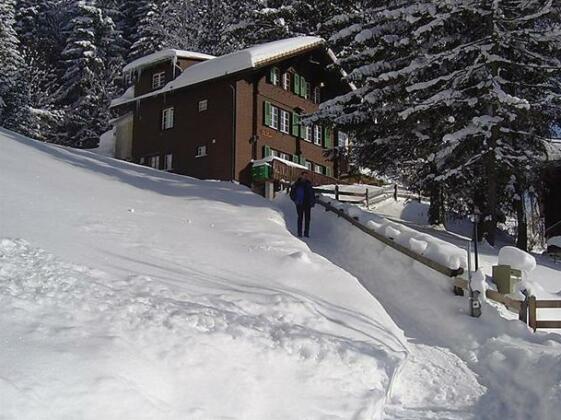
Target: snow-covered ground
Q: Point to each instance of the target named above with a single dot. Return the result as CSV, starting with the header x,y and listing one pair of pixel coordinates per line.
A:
x,y
547,274
127,292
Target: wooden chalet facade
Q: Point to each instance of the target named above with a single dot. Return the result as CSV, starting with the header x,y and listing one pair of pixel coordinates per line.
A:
x,y
212,118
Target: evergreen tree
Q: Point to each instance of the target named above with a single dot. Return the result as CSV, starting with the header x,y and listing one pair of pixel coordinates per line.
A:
x,y
13,105
148,37
86,84
459,92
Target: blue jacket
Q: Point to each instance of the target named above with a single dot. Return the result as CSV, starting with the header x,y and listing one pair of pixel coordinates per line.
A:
x,y
302,193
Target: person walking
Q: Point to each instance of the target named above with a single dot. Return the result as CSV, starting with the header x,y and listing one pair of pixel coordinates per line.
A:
x,y
302,193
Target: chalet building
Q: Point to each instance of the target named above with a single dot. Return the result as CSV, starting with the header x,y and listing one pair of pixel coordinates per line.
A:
x,y
552,196
234,117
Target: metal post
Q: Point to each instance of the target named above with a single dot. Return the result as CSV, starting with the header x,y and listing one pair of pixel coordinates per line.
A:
x,y
337,192
476,237
367,204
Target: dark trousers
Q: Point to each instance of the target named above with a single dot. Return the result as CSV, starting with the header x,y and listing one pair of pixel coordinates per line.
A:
x,y
304,214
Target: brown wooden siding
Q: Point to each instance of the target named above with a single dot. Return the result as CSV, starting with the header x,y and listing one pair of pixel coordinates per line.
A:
x,y
212,128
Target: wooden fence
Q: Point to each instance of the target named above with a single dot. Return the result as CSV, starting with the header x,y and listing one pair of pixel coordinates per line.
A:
x,y
527,309
533,305
370,196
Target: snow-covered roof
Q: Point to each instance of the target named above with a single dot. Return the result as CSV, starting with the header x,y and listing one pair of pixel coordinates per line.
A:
x,y
163,56
249,58
125,97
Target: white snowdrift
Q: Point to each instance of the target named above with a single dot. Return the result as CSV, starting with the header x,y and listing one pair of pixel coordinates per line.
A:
x,y
135,293
517,259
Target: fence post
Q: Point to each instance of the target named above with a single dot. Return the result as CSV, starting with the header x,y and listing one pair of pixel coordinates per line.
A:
x,y
367,203
337,192
523,314
532,315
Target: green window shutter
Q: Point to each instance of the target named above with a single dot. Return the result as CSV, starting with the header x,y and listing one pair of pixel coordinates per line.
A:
x,y
296,83
302,160
328,171
268,114
267,151
270,75
328,143
302,87
295,158
295,124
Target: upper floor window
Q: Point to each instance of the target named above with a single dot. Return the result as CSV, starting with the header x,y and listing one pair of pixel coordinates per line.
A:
x,y
308,91
158,80
317,95
274,76
307,132
271,116
284,121
128,78
201,151
203,105
286,81
317,135
167,118
309,165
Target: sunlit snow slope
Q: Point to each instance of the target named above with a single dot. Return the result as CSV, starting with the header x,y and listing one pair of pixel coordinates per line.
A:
x,y
128,293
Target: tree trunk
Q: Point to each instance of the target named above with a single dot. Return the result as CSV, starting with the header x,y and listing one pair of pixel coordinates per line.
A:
x,y
490,214
521,220
436,208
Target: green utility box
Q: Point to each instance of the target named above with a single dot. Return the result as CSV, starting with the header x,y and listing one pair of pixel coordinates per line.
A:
x,y
261,172
506,278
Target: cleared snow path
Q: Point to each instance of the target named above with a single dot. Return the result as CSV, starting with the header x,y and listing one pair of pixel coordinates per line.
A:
x,y
129,293
458,367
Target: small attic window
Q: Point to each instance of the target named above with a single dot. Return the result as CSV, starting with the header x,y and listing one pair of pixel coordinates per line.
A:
x,y
158,80
274,76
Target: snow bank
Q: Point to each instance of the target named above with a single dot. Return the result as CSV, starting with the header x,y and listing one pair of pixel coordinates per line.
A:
x,y
517,259
106,144
149,295
440,251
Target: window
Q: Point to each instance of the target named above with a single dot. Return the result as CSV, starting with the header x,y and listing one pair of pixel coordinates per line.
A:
x,y
203,105
284,121
168,162
158,79
308,165
271,116
167,118
284,156
308,93
286,79
307,133
274,76
317,95
342,139
128,78
201,151
274,117
155,162
317,135
318,169
274,153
